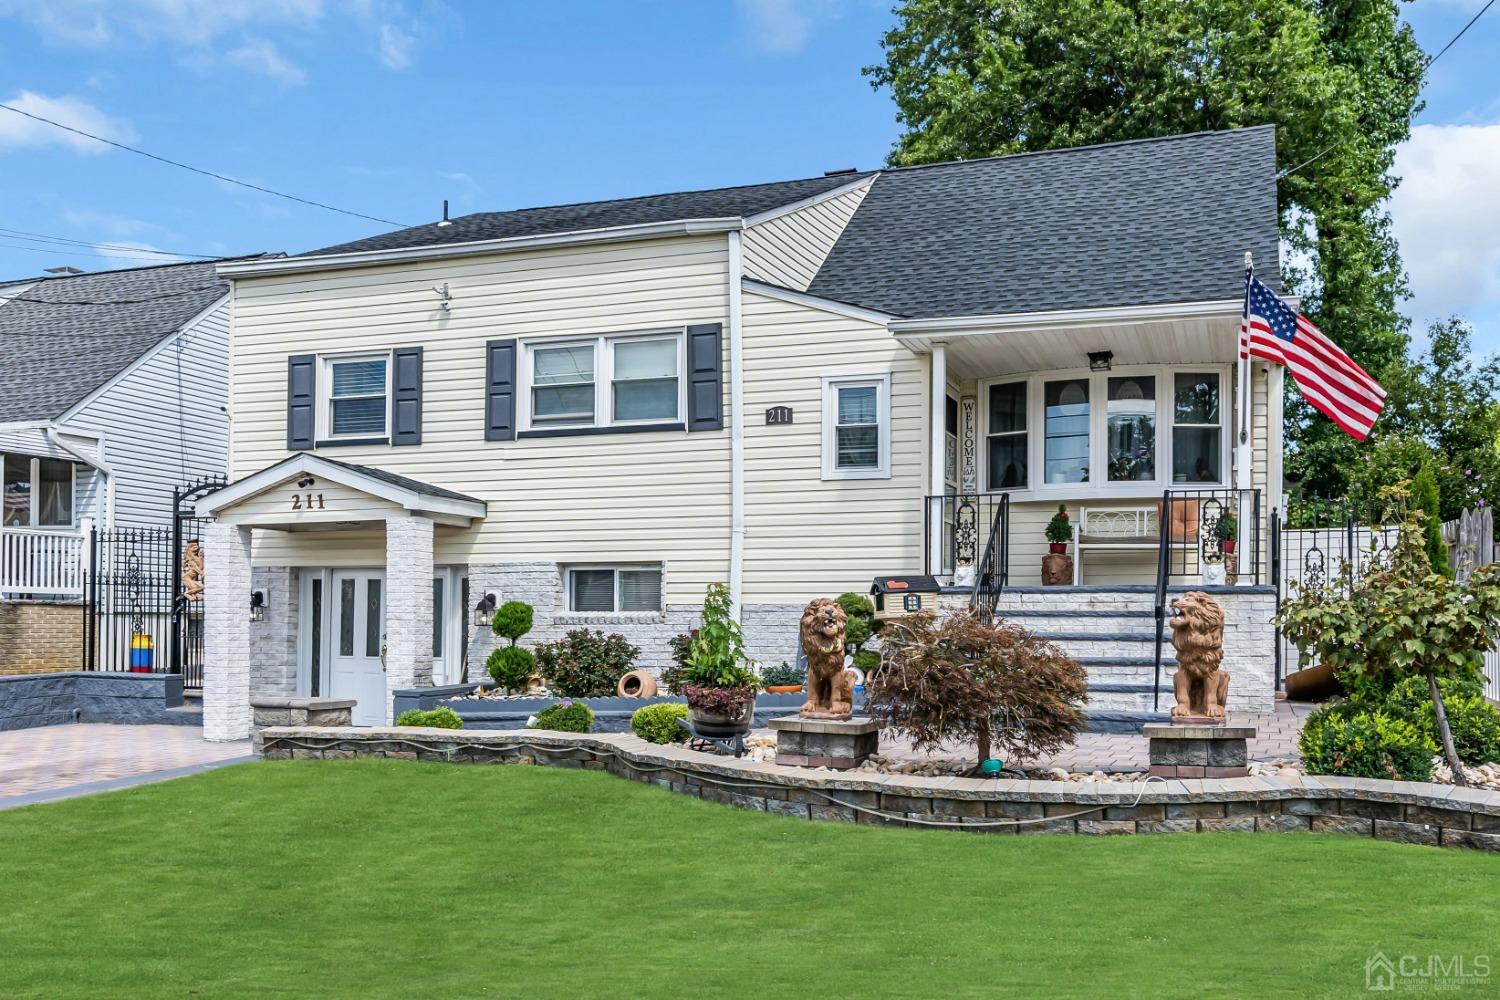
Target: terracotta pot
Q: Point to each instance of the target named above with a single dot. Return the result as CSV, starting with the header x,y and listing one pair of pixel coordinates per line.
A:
x,y
1057,547
636,684
1226,545
783,688
721,726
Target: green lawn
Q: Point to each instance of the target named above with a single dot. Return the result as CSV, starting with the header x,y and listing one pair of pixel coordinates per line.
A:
x,y
393,879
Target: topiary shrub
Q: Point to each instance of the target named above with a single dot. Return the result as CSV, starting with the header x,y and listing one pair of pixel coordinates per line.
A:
x,y
585,663
567,716
859,629
437,718
511,667
512,620
1344,739
1475,725
658,723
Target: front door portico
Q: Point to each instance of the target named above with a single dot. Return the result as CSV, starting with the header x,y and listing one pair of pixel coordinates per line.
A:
x,y
380,621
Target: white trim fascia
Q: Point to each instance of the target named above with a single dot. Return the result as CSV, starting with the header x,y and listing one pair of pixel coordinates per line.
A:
x,y
140,362
815,302
808,202
920,332
7,294
509,244
273,475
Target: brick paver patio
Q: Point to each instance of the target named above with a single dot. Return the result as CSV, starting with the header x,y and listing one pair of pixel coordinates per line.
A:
x,y
54,758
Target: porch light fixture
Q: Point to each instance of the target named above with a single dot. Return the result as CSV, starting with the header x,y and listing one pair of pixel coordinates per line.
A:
x,y
1101,361
257,605
484,610
304,482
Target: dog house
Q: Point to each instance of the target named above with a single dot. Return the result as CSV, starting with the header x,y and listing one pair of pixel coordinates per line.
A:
x,y
896,596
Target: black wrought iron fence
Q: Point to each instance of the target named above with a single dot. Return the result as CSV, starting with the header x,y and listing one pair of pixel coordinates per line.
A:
x,y
957,527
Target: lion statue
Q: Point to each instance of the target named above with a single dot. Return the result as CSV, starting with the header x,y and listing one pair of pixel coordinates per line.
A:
x,y
830,690
1200,686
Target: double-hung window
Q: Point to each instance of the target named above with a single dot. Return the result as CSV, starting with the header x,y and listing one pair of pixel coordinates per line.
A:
x,y
1197,428
1006,444
857,427
1131,413
614,588
38,492
356,395
606,381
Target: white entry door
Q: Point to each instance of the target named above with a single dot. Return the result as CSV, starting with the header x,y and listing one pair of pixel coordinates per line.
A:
x,y
357,644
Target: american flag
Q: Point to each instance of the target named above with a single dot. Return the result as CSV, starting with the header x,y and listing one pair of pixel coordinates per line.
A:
x,y
1330,380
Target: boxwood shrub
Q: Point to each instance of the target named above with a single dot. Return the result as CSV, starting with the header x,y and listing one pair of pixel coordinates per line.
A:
x,y
1474,723
511,667
1346,739
658,723
567,716
437,718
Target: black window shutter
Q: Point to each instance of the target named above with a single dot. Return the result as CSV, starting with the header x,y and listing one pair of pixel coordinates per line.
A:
x,y
406,396
500,390
705,377
301,401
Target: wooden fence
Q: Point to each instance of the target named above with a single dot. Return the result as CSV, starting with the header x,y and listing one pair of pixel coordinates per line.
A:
x,y
1471,544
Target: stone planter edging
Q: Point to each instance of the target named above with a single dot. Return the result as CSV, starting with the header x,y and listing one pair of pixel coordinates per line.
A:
x,y
1411,812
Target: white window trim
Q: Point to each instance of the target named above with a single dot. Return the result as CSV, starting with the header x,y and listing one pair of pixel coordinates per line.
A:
x,y
325,394
34,477
567,583
604,357
831,384
1099,487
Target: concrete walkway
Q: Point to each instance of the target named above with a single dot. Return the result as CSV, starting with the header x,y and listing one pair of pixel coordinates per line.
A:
x,y
53,762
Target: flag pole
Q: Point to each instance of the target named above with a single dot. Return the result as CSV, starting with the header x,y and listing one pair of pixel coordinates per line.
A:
x,y
1244,452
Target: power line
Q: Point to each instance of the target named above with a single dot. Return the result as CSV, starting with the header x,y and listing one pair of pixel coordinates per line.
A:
x,y
71,252
30,237
1425,67
199,170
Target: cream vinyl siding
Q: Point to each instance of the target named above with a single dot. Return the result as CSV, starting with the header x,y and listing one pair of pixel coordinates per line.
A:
x,y
789,249
605,498
805,537
320,505
1028,543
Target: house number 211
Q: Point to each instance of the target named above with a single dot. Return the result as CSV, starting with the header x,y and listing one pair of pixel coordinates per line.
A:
x,y
307,501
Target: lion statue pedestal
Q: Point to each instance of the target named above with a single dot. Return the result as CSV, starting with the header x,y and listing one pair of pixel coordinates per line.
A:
x,y
1057,569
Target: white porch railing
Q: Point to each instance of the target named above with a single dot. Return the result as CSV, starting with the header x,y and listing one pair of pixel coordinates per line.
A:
x,y
50,562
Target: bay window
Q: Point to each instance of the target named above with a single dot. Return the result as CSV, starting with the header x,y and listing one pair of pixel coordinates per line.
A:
x,y
605,381
1131,431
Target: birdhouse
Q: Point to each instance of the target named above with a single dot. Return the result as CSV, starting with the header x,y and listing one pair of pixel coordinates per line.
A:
x,y
896,596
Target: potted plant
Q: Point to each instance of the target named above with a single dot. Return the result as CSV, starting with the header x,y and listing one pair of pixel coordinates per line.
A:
x,y
720,688
783,678
1059,531
1226,531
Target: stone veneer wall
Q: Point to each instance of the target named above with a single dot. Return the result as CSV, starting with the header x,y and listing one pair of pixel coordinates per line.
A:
x,y
40,637
1410,812
273,639
770,629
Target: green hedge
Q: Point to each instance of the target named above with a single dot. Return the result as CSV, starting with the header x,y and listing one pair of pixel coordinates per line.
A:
x,y
567,716
1345,739
437,718
658,723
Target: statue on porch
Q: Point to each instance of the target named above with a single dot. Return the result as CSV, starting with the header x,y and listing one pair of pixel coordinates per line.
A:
x,y
1057,565
192,570
1200,687
830,689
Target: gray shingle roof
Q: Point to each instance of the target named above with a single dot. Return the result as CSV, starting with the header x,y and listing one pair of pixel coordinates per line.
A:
x,y
719,203
1131,223
55,354
402,482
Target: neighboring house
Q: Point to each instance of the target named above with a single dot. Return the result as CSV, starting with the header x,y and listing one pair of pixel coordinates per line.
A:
x,y
796,387
112,392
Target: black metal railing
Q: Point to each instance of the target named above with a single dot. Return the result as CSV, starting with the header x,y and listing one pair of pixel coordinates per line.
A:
x,y
956,527
1204,535
994,567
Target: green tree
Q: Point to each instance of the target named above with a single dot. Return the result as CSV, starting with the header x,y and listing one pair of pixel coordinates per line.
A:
x,y
1338,78
1424,495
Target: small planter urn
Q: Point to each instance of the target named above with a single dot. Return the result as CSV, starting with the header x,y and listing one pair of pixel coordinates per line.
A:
x,y
716,726
1057,568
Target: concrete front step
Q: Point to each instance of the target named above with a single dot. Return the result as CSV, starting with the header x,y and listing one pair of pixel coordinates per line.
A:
x,y
1129,698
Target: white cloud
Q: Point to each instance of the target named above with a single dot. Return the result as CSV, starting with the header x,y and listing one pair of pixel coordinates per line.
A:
x,y
785,26
396,46
192,22
261,56
17,131
1446,214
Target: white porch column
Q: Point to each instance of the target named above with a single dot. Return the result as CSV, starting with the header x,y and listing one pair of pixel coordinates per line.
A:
x,y
226,632
408,611
937,455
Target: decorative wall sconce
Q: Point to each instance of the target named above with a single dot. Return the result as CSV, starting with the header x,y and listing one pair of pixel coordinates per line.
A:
x,y
1101,361
257,605
485,610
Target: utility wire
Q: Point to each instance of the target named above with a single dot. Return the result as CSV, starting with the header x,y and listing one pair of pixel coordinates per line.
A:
x,y
30,237
71,252
1425,67
199,170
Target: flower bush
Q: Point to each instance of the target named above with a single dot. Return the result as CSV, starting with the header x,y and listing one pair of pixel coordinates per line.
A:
x,y
658,723
715,677
584,663
437,718
726,701
991,685
1345,739
567,716
511,667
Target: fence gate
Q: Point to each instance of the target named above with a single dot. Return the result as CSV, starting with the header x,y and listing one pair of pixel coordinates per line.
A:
x,y
145,594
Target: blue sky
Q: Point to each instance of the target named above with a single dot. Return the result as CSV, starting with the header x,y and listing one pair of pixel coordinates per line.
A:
x,y
389,106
